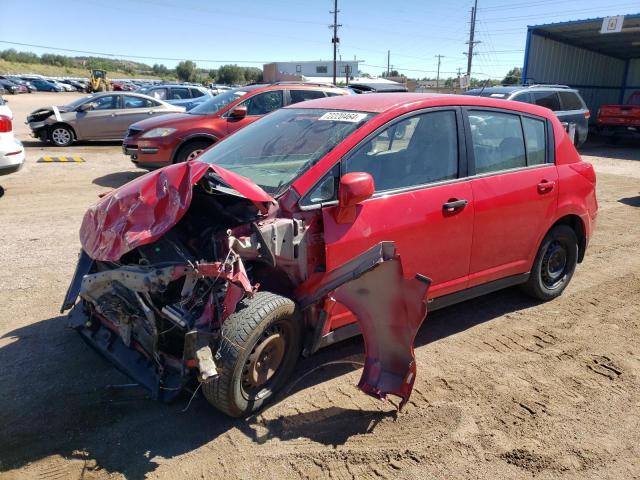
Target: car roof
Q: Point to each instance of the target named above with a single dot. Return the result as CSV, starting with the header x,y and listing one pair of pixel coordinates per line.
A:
x,y
518,88
384,102
292,85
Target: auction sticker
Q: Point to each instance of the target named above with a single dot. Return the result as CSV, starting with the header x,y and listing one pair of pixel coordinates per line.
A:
x,y
343,117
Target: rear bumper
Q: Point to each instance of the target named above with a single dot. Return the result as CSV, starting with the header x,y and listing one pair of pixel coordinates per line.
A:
x,y
11,157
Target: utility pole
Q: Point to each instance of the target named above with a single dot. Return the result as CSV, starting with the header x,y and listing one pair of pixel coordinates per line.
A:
x,y
335,40
388,61
459,77
472,42
439,57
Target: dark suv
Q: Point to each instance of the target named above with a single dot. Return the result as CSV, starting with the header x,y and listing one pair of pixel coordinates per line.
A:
x,y
564,101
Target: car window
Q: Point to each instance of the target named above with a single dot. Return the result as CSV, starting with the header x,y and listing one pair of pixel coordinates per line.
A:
x,y
415,151
332,94
264,103
107,102
138,102
195,92
535,139
548,100
570,101
522,97
302,95
178,93
159,93
497,141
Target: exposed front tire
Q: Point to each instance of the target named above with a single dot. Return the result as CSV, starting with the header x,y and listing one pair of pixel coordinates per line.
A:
x,y
261,343
61,135
554,265
191,150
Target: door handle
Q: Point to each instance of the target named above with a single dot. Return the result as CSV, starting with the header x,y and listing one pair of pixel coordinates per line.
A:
x,y
454,205
546,186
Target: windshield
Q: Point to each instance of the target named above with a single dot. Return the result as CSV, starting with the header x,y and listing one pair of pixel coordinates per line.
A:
x,y
76,103
216,103
275,150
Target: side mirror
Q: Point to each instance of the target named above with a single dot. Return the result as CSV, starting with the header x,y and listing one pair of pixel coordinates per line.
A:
x,y
238,113
355,188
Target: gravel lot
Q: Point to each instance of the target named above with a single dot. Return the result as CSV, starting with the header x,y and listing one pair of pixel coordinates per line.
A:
x,y
506,387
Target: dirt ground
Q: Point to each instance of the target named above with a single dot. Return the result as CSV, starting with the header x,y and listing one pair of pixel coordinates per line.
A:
x,y
506,387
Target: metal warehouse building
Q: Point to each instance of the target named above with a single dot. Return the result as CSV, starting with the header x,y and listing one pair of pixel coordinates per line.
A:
x,y
599,56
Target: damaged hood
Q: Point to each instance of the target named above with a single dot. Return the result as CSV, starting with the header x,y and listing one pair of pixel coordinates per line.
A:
x,y
144,209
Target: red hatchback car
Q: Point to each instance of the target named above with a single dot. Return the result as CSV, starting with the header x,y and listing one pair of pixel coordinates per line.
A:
x,y
175,138
323,220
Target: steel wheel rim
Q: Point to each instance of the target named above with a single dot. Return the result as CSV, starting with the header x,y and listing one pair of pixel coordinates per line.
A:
x,y
554,265
265,362
194,154
61,136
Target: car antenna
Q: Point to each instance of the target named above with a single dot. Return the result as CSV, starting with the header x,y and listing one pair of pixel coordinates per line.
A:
x,y
484,85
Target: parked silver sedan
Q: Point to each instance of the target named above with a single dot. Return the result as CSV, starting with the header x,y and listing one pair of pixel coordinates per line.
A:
x,y
100,116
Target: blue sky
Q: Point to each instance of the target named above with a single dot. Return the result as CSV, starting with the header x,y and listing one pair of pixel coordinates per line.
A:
x,y
253,32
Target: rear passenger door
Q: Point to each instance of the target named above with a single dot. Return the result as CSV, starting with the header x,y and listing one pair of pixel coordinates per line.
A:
x,y
134,109
514,187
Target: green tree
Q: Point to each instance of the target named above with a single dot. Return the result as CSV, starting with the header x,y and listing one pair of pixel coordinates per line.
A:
x,y
513,77
252,75
186,71
230,74
160,69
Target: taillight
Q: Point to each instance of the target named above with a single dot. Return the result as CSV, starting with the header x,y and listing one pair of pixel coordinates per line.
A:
x,y
585,169
587,114
5,124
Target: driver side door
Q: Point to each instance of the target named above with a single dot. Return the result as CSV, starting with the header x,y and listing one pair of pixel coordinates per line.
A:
x,y
100,121
419,169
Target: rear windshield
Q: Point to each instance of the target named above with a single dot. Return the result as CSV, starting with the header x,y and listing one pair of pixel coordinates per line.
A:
x,y
570,101
216,103
275,150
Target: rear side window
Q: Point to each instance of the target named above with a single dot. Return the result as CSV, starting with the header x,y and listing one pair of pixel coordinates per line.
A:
x,y
497,141
570,101
138,102
302,95
548,100
418,150
534,136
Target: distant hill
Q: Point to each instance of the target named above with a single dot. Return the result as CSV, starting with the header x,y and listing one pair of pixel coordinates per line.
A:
x,y
13,61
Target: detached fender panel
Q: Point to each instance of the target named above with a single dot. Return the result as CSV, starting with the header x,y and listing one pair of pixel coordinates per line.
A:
x,y
389,308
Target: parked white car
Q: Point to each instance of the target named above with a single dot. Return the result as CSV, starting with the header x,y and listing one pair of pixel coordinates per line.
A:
x,y
11,149
4,109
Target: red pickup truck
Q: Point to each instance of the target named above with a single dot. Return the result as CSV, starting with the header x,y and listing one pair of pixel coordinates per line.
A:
x,y
617,120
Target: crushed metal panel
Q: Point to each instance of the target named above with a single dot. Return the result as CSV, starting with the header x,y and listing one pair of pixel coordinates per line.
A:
x,y
389,308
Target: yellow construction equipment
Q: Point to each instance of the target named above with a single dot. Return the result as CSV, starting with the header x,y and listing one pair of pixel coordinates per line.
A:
x,y
98,81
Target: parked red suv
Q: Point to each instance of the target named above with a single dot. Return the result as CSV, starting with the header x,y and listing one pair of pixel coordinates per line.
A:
x,y
175,138
284,238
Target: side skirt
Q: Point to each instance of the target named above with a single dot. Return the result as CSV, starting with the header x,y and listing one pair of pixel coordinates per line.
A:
x,y
353,329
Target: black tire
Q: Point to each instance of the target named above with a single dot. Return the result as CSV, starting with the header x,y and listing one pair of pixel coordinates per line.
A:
x,y
190,149
554,265
253,325
61,135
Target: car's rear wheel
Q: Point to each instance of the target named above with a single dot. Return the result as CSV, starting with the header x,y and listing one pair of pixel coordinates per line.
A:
x,y
554,265
191,150
261,343
61,135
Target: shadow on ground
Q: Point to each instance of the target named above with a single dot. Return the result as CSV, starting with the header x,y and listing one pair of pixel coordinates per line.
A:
x,y
621,149
631,201
55,401
68,151
117,179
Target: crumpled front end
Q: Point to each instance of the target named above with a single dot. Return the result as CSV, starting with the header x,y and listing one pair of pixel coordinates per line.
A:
x,y
168,258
